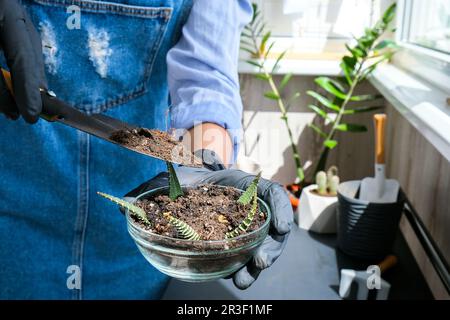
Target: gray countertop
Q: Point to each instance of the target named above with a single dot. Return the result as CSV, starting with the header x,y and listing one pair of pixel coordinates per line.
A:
x,y
308,269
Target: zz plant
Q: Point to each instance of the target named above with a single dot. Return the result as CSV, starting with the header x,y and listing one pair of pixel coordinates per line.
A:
x,y
256,41
361,61
184,230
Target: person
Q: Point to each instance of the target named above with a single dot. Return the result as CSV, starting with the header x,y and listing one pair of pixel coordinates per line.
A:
x,y
59,240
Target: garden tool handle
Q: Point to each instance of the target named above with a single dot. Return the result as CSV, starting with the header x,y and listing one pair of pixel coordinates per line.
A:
x,y
380,125
389,262
50,111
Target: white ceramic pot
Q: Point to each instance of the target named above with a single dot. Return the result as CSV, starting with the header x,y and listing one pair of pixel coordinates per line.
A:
x,y
316,213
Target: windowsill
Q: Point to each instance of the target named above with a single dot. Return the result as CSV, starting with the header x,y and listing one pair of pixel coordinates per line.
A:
x,y
297,67
422,104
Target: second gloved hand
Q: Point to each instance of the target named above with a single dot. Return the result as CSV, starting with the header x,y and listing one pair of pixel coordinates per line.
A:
x,y
22,48
273,194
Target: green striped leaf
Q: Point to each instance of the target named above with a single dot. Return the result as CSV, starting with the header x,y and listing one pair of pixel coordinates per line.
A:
x,y
246,223
175,189
184,230
251,191
137,211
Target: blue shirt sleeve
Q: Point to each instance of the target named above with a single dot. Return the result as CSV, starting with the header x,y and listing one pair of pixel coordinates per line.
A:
x,y
202,67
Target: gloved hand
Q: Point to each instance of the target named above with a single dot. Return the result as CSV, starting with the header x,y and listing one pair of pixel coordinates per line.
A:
x,y
273,194
22,48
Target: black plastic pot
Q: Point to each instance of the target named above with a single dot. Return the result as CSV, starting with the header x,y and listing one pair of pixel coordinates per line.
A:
x,y
366,230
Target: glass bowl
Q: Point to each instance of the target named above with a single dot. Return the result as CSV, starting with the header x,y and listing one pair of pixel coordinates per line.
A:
x,y
196,260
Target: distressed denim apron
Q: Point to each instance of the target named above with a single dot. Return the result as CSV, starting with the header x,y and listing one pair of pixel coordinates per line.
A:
x,y
51,220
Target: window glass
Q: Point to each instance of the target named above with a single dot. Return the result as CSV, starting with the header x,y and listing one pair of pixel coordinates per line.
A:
x,y
332,19
429,25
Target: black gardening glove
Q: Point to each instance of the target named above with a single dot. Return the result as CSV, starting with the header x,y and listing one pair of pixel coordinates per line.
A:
x,y
22,48
273,194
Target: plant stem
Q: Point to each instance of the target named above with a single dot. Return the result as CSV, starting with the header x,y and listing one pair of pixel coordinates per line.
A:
x,y
325,151
298,164
296,154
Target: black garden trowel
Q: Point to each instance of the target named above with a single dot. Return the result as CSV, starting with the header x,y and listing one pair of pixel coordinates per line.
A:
x,y
99,125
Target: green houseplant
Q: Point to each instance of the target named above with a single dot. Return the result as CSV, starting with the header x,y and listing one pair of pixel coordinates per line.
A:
x,y
256,40
197,233
183,229
360,62
318,203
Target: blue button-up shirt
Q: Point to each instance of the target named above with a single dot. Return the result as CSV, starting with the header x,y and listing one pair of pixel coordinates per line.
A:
x,y
202,66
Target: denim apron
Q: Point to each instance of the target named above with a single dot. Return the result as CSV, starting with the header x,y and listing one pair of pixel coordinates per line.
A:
x,y
52,223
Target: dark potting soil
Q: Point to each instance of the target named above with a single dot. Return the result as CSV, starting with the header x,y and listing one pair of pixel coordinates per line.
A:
x,y
156,143
210,210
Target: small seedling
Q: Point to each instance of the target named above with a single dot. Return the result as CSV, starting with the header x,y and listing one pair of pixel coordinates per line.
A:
x,y
251,194
175,189
184,230
138,212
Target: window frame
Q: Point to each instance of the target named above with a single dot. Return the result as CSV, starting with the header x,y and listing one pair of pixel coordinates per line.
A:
x,y
430,64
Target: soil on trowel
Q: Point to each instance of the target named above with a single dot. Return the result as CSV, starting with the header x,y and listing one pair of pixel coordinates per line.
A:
x,y
210,210
157,144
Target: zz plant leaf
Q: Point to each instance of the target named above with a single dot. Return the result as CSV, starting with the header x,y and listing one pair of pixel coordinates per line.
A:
x,y
257,41
138,212
175,189
184,230
360,61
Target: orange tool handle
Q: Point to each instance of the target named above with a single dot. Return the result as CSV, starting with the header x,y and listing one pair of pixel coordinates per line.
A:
x,y
389,262
8,81
380,125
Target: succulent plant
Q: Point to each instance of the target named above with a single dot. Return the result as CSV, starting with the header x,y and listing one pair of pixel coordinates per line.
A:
x,y
175,189
135,210
251,194
327,183
184,230
333,185
321,181
332,171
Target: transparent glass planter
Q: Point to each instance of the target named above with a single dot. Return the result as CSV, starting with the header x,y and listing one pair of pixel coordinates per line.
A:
x,y
196,261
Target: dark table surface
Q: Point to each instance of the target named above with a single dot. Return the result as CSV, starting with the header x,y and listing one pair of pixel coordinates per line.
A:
x,y
309,268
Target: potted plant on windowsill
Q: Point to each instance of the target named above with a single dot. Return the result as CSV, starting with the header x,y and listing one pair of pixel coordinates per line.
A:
x,y
337,100
197,233
318,203
256,41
